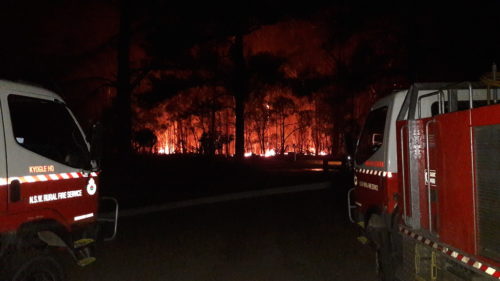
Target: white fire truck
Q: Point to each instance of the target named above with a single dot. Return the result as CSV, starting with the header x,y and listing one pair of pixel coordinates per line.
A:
x,y
48,186
426,182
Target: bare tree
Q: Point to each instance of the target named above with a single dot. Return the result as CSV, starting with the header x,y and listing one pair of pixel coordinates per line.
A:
x,y
282,108
258,116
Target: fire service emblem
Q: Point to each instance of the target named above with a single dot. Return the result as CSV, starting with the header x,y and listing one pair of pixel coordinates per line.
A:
x,y
91,187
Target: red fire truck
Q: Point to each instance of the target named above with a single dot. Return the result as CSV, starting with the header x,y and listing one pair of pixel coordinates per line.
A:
x,y
427,169
48,185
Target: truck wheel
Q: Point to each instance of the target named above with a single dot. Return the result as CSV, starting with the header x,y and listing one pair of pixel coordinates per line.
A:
x,y
39,268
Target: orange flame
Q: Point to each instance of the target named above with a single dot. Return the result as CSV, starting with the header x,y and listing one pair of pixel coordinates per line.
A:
x,y
275,123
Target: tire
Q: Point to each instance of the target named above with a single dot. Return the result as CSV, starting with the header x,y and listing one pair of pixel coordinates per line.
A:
x,y
38,268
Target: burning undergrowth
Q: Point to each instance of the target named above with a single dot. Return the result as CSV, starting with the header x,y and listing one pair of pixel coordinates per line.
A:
x,y
202,120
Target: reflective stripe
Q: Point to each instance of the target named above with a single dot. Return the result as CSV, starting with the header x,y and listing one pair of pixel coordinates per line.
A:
x,y
490,271
49,177
374,172
82,217
29,179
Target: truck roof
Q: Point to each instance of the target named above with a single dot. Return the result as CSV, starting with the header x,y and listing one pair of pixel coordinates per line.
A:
x,y
24,87
387,99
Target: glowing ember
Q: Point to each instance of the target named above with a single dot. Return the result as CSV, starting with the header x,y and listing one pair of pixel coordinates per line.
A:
x,y
248,154
323,153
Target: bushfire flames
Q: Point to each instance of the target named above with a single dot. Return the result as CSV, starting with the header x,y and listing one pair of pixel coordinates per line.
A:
x,y
276,123
286,116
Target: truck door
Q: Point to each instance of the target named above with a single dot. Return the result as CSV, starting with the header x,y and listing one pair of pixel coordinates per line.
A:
x,y
46,156
3,172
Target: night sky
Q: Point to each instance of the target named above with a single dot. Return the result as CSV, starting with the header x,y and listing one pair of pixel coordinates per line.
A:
x,y
48,34
47,40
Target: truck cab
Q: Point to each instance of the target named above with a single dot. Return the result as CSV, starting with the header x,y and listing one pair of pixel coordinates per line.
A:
x,y
376,176
45,165
49,183
425,184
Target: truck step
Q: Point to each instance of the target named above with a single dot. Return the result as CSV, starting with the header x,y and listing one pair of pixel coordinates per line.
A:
x,y
83,242
86,261
363,240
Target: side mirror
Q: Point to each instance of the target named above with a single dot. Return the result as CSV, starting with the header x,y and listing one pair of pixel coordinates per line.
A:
x,y
348,163
377,139
96,143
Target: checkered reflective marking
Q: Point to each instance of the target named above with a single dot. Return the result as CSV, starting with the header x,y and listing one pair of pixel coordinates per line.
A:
x,y
49,177
379,173
466,260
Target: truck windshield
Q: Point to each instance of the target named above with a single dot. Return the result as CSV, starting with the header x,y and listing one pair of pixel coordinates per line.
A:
x,y
47,128
372,136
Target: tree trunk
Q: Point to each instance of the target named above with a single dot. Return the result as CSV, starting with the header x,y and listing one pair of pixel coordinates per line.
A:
x,y
240,92
212,129
262,139
228,133
123,121
282,135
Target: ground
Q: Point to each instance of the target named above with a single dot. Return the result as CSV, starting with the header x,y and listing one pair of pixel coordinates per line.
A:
x,y
296,236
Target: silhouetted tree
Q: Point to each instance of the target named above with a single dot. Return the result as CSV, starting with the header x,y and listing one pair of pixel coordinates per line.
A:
x,y
240,91
258,114
264,72
305,124
282,108
144,140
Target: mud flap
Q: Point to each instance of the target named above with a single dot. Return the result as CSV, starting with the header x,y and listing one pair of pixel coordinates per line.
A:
x,y
387,246
375,230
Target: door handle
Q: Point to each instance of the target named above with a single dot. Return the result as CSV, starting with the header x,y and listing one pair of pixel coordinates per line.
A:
x,y
15,191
